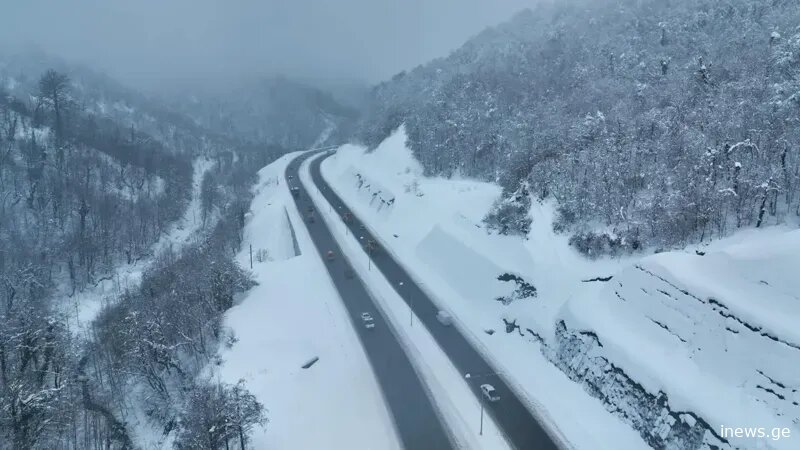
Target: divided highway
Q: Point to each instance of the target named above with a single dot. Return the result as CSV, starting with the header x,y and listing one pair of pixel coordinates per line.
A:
x,y
511,415
416,418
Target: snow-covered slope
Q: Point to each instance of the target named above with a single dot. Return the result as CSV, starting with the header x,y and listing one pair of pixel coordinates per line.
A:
x,y
85,305
434,226
286,321
717,335
559,331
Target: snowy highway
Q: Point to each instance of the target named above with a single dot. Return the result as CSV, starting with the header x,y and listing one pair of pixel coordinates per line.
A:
x,y
515,420
417,421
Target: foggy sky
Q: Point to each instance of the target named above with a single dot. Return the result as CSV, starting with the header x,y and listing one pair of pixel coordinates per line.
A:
x,y
153,43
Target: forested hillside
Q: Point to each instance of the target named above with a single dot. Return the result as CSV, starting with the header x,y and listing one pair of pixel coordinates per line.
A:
x,y
651,123
101,96
92,176
274,110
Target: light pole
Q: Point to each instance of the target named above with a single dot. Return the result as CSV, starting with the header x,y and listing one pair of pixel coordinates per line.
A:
x,y
345,220
410,309
370,247
369,263
480,400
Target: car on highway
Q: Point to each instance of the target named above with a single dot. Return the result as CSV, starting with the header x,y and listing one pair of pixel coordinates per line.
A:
x,y
330,255
490,392
369,323
296,191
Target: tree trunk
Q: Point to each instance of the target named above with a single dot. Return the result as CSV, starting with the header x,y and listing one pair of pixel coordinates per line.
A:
x,y
762,209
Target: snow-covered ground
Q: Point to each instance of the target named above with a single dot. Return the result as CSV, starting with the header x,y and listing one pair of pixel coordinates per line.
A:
x,y
729,378
719,334
84,305
286,321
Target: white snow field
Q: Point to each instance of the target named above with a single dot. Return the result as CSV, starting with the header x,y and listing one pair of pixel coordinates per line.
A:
x,y
283,323
734,361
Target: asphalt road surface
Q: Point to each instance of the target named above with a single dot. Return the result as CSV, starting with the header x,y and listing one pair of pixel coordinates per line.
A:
x,y
510,413
416,418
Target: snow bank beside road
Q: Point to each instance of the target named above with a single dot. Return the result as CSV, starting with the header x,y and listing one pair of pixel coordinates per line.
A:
x,y
285,321
439,249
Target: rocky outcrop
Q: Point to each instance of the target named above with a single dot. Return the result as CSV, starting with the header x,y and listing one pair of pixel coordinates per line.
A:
x,y
579,354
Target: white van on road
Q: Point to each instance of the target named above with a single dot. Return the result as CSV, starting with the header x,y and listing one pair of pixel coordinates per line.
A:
x,y
490,393
444,318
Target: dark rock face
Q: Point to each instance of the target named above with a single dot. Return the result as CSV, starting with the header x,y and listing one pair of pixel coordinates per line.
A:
x,y
580,356
522,290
